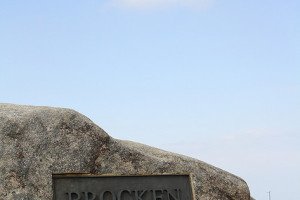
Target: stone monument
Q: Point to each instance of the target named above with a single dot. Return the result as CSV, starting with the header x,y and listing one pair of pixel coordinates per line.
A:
x,y
55,153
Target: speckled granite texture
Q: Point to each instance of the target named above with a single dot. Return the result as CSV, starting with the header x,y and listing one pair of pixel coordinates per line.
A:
x,y
36,142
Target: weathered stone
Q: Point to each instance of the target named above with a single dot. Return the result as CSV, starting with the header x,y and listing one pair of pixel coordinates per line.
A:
x,y
36,142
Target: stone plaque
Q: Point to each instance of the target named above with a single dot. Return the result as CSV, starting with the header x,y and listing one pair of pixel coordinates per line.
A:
x,y
156,187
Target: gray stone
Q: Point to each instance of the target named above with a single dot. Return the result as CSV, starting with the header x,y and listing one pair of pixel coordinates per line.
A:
x,y
36,142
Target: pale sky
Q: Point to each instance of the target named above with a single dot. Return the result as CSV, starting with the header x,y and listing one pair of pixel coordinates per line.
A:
x,y
211,79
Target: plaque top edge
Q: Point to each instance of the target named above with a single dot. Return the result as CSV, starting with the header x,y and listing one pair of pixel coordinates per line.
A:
x,y
89,175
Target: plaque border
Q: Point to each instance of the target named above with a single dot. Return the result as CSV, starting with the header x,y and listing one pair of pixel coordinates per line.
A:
x,y
84,175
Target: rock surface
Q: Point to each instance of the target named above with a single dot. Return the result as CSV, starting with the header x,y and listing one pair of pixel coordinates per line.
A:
x,y
36,142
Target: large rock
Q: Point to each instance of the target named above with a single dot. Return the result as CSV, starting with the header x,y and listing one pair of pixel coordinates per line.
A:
x,y
36,142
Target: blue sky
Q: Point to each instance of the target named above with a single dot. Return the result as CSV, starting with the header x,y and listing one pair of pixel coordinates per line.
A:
x,y
216,80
